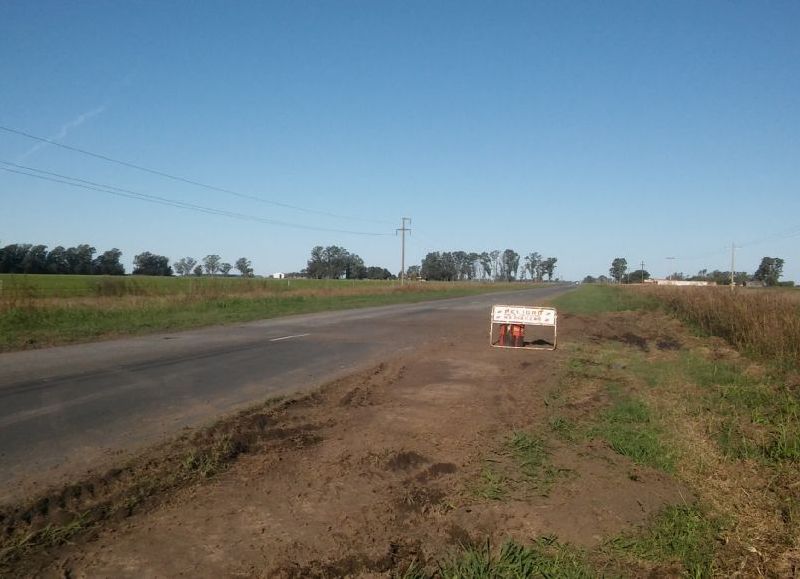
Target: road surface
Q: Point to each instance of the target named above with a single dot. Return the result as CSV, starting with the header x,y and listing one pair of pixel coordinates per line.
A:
x,y
69,409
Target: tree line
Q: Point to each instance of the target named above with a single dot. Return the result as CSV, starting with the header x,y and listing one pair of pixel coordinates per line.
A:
x,y
81,260
334,262
487,265
78,260
768,272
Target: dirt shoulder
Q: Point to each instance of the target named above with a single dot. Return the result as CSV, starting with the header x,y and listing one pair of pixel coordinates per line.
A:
x,y
395,470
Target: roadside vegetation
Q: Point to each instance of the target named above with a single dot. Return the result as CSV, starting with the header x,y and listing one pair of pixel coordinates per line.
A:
x,y
44,310
722,420
761,322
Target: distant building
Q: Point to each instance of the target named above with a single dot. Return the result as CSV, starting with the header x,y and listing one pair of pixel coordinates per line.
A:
x,y
278,275
679,282
755,283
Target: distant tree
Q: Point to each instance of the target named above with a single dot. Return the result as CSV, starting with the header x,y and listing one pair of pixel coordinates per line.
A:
x,y
412,272
638,276
603,279
486,265
244,266
532,262
375,272
549,266
35,259
494,255
618,268
510,263
108,263
184,265
354,267
211,263
439,266
334,262
198,270
225,268
769,271
151,264
80,259
589,279
57,260
11,257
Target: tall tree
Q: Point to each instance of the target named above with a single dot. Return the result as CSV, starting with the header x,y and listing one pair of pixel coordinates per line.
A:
x,y
57,260
486,265
108,263
618,268
494,255
211,263
770,270
147,263
532,261
549,266
510,263
225,268
244,266
35,260
80,259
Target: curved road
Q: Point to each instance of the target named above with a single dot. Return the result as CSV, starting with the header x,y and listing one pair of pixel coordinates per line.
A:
x,y
68,409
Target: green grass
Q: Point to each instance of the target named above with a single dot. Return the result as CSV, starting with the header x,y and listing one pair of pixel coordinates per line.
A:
x,y
679,533
564,428
171,304
630,430
491,485
522,464
545,558
755,418
592,299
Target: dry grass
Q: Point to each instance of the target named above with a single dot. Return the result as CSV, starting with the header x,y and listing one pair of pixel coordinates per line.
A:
x,y
763,323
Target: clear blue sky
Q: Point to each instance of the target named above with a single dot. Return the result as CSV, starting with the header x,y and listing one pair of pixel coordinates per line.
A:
x,y
581,130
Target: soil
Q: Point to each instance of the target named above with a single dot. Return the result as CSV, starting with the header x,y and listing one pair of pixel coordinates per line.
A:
x,y
379,469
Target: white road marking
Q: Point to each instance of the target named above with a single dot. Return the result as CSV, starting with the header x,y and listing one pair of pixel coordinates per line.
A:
x,y
288,337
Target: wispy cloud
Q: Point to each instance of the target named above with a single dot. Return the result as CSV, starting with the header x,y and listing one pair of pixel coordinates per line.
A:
x,y
63,131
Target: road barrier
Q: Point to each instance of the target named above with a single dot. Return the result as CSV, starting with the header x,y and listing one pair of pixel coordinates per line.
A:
x,y
507,327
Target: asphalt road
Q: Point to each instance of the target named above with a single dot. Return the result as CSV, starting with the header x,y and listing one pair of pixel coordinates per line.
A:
x,y
69,409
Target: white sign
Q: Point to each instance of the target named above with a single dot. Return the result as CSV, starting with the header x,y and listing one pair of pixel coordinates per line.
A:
x,y
523,315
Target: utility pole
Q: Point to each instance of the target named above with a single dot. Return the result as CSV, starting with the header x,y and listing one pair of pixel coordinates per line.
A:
x,y
733,263
403,230
642,271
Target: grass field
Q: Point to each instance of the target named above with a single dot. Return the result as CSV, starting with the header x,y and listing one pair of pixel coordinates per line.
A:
x,y
43,310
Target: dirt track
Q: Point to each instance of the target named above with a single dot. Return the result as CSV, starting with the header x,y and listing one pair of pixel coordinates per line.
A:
x,y
381,469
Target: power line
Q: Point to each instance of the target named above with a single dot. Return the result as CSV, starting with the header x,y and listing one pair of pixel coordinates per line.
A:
x,y
186,180
127,193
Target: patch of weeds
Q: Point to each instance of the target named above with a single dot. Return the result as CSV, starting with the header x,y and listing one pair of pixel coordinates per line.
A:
x,y
491,485
414,571
49,536
529,452
679,533
210,461
520,465
629,429
545,558
564,428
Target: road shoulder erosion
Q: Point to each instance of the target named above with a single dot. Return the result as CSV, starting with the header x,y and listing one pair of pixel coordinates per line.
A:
x,y
391,470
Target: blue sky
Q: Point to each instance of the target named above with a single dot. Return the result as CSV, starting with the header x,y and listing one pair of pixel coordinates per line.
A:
x,y
582,130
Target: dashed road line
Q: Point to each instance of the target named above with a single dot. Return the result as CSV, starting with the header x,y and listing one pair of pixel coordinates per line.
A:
x,y
288,337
